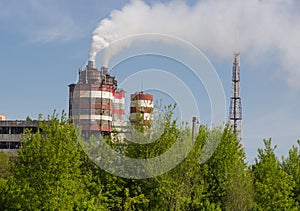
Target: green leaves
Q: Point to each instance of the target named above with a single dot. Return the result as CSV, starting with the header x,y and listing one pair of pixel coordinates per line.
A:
x,y
228,183
4,165
52,172
291,165
46,174
273,186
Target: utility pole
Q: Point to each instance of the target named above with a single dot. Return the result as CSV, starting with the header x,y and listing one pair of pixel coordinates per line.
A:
x,y
235,113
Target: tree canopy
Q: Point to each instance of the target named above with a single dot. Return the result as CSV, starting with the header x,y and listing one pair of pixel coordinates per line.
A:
x,y
53,172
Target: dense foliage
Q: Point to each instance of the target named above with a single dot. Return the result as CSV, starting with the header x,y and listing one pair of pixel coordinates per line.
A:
x,y
52,172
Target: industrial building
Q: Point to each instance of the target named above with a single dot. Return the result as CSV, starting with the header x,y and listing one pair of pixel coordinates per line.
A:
x,y
11,130
95,102
141,108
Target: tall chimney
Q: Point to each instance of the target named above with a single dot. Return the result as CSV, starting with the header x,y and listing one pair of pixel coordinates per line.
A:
x,y
194,122
90,65
104,70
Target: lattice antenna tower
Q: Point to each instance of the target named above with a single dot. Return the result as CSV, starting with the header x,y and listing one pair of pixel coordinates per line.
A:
x,y
235,113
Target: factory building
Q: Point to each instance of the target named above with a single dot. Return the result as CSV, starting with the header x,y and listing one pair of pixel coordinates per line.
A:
x,y
141,108
11,130
95,102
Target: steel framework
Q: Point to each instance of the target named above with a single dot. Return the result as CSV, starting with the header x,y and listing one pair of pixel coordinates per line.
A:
x,y
235,114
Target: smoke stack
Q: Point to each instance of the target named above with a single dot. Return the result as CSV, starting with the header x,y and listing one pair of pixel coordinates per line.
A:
x,y
104,70
194,124
90,65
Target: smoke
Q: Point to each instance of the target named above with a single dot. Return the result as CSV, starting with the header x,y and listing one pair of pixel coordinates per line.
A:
x,y
219,27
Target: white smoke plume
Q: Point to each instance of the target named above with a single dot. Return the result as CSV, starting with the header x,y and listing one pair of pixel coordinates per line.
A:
x,y
254,27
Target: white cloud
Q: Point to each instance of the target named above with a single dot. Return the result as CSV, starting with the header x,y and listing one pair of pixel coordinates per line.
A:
x,y
218,27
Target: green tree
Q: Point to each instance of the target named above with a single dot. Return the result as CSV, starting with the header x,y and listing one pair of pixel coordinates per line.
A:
x,y
172,190
176,188
52,172
110,191
47,174
227,182
4,165
222,182
4,174
273,186
291,165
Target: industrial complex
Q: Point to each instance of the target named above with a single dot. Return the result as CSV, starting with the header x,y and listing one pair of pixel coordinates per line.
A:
x,y
96,104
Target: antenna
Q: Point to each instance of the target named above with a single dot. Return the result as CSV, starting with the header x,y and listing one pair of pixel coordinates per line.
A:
x,y
235,113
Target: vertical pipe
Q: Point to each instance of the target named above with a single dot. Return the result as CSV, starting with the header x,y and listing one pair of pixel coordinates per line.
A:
x,y
194,120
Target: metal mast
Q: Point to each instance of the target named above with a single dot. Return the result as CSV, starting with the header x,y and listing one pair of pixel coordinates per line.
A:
x,y
235,113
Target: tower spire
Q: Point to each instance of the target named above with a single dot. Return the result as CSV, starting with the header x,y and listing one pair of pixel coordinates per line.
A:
x,y
235,113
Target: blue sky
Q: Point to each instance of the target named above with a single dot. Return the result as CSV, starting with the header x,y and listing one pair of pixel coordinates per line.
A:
x,y
43,43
